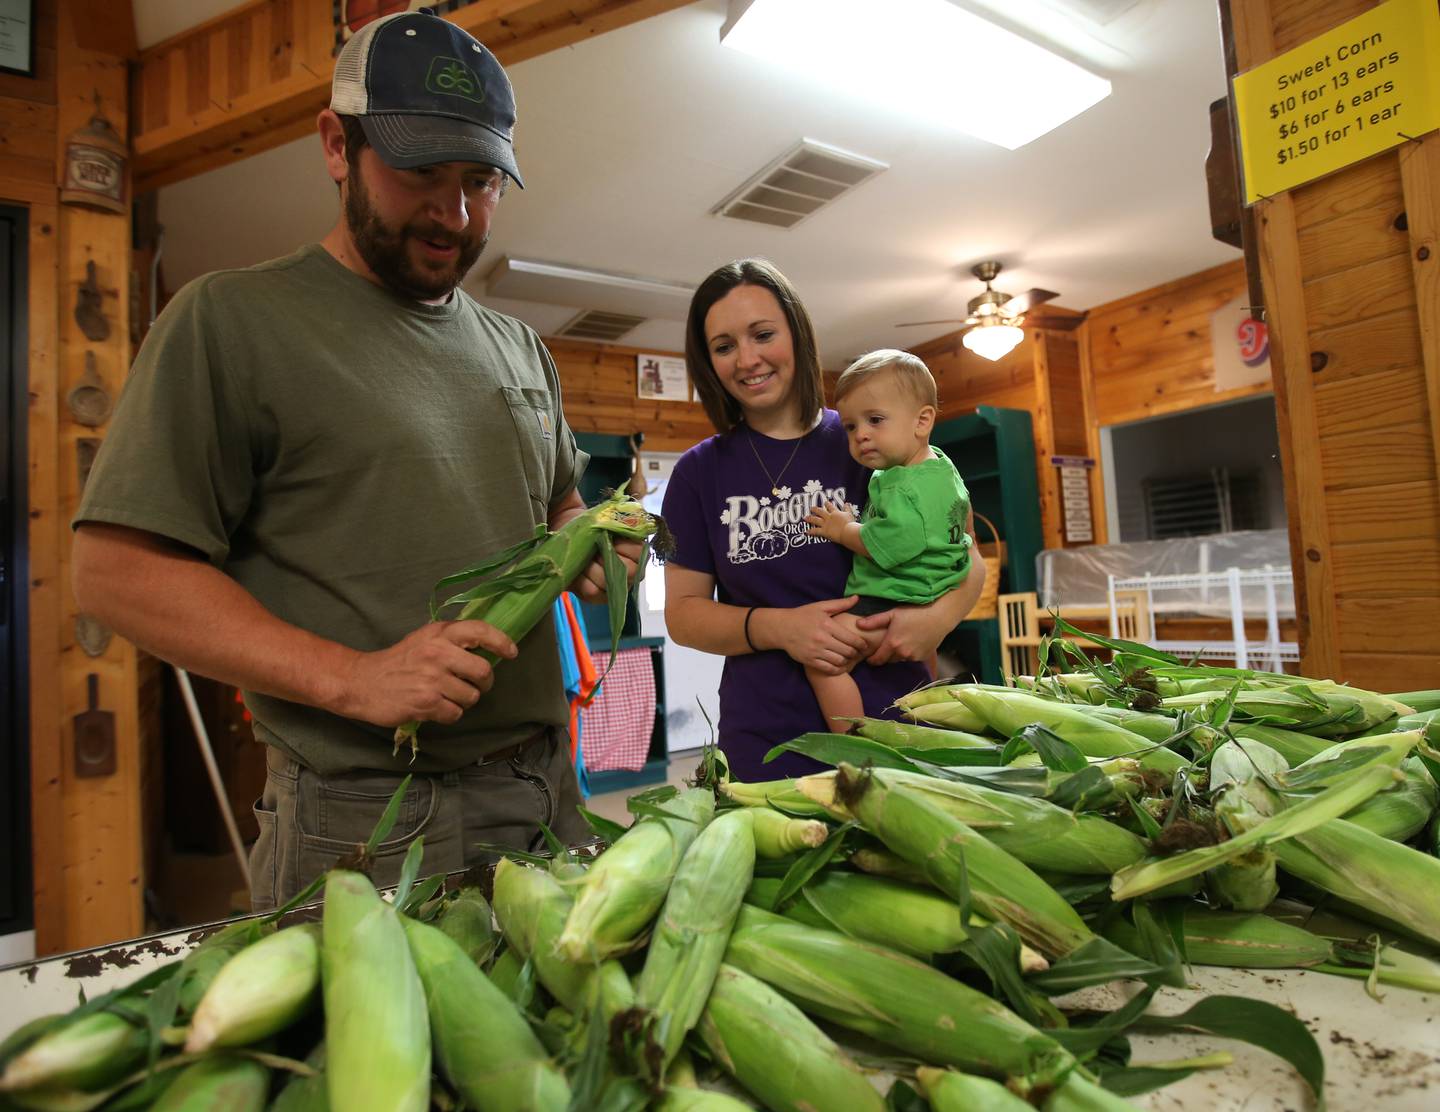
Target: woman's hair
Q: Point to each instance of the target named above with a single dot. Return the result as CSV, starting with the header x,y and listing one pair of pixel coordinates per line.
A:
x,y
722,409
907,371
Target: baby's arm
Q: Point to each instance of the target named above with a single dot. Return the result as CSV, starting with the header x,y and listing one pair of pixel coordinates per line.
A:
x,y
838,524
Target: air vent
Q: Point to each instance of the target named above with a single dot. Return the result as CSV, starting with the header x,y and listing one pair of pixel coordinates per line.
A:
x,y
599,326
798,183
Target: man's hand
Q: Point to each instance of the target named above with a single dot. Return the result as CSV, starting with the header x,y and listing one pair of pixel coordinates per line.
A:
x,y
428,676
590,583
915,632
829,521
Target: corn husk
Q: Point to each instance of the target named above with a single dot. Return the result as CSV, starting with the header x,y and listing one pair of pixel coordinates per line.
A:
x,y
694,926
623,890
896,999
768,1045
88,1053
260,991
377,1032
913,735
778,835
469,920
779,795
483,1045
953,1091
1235,939
217,1084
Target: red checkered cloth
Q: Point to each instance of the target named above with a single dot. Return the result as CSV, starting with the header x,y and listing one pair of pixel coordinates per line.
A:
x,y
620,720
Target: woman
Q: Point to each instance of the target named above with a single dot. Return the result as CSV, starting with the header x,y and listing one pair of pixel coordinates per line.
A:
x,y
746,581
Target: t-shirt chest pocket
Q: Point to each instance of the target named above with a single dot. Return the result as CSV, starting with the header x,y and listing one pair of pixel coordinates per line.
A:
x,y
535,438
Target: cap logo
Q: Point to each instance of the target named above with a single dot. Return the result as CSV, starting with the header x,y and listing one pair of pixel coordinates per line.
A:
x,y
452,77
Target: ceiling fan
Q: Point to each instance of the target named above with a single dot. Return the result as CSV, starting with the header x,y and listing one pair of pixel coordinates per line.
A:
x,y
992,328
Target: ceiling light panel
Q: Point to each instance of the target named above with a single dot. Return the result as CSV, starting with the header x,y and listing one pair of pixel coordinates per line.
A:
x,y
926,58
796,184
561,284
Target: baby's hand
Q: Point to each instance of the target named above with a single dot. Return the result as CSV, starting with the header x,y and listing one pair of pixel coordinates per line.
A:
x,y
829,521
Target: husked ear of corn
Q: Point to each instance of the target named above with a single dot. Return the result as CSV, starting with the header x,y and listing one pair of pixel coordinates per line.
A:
x,y
483,1045
694,926
377,1033
516,598
953,1091
953,856
220,1083
531,906
778,835
896,999
88,1053
773,1049
1236,939
624,888
260,991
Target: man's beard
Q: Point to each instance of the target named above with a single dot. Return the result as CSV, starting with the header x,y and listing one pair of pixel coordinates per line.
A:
x,y
386,250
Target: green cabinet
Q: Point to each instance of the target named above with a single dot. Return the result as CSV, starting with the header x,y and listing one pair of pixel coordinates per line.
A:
x,y
994,451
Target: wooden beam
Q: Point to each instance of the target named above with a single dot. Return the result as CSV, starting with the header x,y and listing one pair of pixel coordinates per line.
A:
x,y
255,77
106,27
1420,177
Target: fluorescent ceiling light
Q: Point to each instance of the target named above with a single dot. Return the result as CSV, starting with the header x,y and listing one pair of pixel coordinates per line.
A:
x,y
992,341
925,58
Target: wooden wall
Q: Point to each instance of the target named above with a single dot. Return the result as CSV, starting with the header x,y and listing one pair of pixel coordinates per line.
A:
x,y
598,381
1354,300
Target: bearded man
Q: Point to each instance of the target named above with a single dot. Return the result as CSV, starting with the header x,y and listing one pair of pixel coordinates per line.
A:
x,y
306,446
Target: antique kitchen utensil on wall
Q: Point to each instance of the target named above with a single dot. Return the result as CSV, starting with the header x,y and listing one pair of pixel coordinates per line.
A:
x,y
89,401
91,635
94,736
89,314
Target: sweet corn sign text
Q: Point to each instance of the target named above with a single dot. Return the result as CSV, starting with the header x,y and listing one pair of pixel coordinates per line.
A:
x,y
1364,87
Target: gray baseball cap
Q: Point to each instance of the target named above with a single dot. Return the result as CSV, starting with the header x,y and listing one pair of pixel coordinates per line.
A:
x,y
426,91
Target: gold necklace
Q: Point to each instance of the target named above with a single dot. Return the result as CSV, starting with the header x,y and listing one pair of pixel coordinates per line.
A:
x,y
775,479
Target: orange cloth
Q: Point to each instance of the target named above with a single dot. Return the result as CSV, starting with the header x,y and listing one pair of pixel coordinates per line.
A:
x,y
589,677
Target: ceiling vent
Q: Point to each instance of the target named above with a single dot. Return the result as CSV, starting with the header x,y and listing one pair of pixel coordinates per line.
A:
x,y
797,184
602,327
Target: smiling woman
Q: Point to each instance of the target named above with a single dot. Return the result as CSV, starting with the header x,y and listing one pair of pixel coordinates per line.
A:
x,y
747,581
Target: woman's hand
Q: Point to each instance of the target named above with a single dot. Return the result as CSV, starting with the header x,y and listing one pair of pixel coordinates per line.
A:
x,y
915,632
811,636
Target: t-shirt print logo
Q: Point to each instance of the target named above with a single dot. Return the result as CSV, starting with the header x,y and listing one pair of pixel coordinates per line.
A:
x,y
453,77
765,528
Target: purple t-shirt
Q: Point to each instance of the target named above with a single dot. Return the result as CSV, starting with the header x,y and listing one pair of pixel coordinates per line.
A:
x,y
727,523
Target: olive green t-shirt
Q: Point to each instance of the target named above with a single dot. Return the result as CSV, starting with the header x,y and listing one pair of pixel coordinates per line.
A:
x,y
337,450
914,529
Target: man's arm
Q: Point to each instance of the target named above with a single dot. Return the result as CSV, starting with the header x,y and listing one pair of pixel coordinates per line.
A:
x,y
172,603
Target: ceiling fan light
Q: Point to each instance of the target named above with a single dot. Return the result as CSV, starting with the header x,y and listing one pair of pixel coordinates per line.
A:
x,y
992,341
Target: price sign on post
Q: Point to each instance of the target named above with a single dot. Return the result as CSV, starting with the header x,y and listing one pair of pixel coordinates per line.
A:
x,y
1368,85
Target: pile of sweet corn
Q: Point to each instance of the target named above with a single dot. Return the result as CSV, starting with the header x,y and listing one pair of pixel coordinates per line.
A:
x,y
931,899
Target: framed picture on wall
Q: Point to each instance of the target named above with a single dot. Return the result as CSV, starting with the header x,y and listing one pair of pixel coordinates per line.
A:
x,y
661,378
17,37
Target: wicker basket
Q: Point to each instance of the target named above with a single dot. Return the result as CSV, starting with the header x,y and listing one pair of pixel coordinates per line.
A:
x,y
993,553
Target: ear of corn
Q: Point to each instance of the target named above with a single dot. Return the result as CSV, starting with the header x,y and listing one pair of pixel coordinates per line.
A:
x,y
1236,939
778,835
217,1084
1077,1093
953,1091
954,857
1419,701
377,1033
777,794
1401,812
768,1045
898,1000
261,990
699,1100
205,961
878,861
483,1044
515,599
694,925
469,921
91,1052
1246,883
532,907
305,1094
949,715
912,735
624,888
1294,746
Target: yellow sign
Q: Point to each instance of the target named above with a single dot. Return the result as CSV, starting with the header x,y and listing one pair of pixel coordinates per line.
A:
x,y
1366,86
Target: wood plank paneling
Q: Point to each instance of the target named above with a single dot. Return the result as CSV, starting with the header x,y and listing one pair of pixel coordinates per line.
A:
x,y
1353,239
1369,402
1371,289
1386,568
1388,625
1401,511
1377,343
1391,671
1353,459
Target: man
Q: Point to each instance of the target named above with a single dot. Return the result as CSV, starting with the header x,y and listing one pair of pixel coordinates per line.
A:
x,y
306,446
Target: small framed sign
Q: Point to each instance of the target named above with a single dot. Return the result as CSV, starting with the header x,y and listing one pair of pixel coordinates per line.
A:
x,y
661,378
17,37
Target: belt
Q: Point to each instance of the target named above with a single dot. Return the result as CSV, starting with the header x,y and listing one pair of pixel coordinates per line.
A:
x,y
511,752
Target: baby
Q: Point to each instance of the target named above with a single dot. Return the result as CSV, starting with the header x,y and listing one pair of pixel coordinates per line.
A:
x,y
912,544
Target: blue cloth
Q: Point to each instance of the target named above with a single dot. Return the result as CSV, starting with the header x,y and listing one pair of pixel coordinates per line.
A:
x,y
570,674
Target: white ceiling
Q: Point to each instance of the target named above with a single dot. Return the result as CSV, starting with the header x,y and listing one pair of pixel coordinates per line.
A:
x,y
628,140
